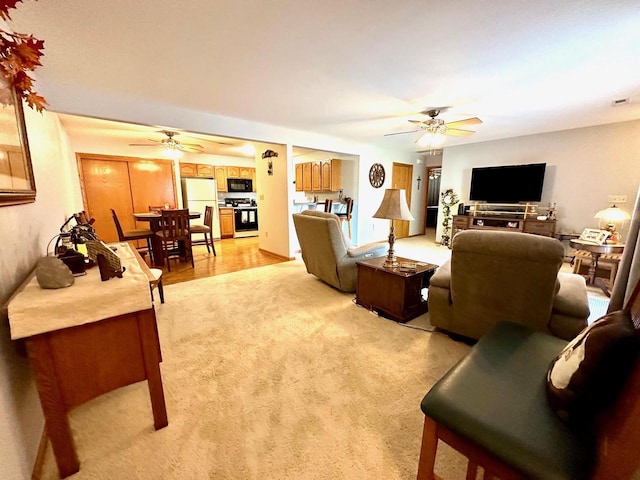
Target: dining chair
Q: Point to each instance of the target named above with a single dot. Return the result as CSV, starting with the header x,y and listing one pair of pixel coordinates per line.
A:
x,y
175,235
156,282
135,234
206,229
83,219
327,205
346,216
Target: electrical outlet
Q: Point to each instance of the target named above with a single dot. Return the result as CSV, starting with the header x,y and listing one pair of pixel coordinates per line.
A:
x,y
617,199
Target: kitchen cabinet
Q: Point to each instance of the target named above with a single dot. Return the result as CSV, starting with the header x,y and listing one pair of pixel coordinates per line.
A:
x,y
233,172
299,181
221,178
316,177
191,170
331,175
226,223
246,172
306,176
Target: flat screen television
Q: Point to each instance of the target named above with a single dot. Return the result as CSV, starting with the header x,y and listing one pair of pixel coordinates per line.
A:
x,y
508,183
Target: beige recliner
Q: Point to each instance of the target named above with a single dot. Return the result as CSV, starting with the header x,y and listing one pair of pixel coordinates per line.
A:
x,y
498,276
327,253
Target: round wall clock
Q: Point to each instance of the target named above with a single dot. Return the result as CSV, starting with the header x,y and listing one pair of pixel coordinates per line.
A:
x,y
376,175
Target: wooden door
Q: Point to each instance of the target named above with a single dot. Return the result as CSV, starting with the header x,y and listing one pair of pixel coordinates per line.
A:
x,y
306,176
299,185
152,183
106,186
401,177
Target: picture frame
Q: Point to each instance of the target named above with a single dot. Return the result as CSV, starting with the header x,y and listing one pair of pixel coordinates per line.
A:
x,y
17,183
594,235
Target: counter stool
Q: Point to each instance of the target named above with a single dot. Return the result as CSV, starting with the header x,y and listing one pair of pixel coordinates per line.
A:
x,y
346,217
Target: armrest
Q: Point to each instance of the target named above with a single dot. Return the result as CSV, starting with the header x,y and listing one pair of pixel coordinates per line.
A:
x,y
442,277
370,250
571,299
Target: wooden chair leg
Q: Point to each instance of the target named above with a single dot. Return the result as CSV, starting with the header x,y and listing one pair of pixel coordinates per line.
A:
x,y
161,291
213,247
206,242
427,461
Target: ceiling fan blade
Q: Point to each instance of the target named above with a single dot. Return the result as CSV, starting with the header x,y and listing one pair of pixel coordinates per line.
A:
x,y
458,132
417,122
142,145
400,133
191,148
466,121
195,145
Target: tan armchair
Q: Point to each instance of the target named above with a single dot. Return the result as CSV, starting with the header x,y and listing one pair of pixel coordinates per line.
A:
x,y
327,253
505,276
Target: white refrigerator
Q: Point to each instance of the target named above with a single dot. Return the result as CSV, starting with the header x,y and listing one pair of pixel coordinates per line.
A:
x,y
198,193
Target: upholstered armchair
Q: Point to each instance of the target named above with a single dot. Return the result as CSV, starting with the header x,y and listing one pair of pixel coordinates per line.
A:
x,y
498,276
327,253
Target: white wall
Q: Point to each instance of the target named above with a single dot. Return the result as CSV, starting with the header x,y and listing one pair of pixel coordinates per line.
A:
x,y
584,167
26,230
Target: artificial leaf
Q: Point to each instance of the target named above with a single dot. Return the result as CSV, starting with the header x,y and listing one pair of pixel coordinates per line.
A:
x,y
5,6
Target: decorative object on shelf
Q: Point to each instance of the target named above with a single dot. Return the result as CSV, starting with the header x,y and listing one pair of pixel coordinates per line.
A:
x,y
393,207
551,211
269,154
611,216
376,175
19,54
448,198
52,273
108,261
419,180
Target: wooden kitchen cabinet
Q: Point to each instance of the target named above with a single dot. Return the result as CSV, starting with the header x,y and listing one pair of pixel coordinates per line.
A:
x,y
221,178
299,181
188,170
306,176
233,172
226,223
331,175
316,177
246,172
204,170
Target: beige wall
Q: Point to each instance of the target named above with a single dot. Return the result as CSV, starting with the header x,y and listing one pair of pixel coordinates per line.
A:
x,y
584,167
26,230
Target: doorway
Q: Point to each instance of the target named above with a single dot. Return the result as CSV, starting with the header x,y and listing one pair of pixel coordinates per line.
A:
x,y
401,177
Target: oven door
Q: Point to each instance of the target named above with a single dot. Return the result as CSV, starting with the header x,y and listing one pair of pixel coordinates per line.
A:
x,y
246,219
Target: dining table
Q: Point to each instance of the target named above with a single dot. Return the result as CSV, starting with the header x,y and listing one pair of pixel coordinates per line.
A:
x,y
153,218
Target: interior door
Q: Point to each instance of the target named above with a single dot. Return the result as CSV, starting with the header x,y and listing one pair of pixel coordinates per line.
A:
x,y
106,186
152,183
401,177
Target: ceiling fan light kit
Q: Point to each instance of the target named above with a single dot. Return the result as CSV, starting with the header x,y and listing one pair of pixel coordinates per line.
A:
x,y
171,148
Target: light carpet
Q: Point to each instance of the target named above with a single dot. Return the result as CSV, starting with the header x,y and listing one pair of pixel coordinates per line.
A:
x,y
270,374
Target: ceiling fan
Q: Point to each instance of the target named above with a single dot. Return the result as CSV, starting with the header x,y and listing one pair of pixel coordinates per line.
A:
x,y
170,144
435,128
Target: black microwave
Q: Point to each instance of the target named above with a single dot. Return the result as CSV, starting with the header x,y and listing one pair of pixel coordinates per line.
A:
x,y
239,185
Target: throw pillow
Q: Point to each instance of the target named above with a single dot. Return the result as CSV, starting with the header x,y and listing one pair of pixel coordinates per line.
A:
x,y
590,371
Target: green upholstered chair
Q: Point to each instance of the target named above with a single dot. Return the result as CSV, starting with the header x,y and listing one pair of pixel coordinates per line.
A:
x,y
498,276
492,407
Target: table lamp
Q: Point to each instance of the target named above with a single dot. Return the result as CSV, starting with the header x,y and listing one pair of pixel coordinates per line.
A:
x,y
394,207
612,215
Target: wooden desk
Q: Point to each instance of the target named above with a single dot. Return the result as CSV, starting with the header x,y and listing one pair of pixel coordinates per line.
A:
x,y
86,340
392,293
154,224
596,251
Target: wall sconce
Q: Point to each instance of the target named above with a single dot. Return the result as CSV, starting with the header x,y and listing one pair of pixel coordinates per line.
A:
x,y
419,180
269,154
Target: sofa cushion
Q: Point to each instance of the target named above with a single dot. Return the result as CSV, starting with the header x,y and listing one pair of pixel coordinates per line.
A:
x,y
591,369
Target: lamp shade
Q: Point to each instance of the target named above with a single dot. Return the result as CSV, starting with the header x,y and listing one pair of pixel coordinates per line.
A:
x,y
613,214
394,205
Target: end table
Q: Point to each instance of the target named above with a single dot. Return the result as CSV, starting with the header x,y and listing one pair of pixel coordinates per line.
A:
x,y
393,292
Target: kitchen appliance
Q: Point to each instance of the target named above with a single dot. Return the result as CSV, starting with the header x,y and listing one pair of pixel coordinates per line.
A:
x,y
246,221
198,193
239,185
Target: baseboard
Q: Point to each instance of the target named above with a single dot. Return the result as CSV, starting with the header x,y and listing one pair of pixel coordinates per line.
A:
x,y
38,464
282,257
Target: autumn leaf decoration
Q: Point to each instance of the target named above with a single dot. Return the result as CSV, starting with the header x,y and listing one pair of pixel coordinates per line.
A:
x,y
19,54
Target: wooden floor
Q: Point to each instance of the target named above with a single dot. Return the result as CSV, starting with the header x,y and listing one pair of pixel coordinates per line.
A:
x,y
233,254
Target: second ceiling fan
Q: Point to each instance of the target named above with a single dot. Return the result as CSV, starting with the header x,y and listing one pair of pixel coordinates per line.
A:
x,y
434,128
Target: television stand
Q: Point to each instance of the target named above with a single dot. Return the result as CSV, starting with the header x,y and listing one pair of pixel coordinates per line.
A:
x,y
505,217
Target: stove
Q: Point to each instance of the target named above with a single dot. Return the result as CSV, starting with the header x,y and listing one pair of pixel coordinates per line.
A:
x,y
240,203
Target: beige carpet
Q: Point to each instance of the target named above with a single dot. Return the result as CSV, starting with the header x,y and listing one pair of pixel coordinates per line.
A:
x,y
270,374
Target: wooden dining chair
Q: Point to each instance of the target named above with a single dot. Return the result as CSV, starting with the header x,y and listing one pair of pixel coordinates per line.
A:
x,y
206,229
156,283
327,205
175,235
346,216
135,234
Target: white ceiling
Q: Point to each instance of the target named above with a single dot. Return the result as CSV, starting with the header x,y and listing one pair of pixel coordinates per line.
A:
x,y
357,69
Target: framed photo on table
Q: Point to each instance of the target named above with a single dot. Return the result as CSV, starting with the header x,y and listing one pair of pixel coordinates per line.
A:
x,y
594,235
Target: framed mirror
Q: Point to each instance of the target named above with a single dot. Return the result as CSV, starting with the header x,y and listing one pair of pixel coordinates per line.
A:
x,y
17,184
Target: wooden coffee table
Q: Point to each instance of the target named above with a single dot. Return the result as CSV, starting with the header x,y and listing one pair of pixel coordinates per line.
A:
x,y
393,293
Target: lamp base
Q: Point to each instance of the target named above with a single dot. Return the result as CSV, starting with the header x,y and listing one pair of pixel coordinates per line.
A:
x,y
391,260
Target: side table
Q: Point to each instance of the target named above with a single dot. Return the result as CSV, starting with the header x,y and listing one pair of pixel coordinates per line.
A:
x,y
393,293
596,251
